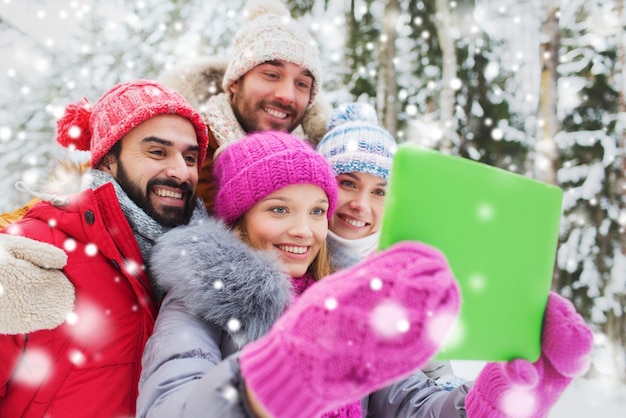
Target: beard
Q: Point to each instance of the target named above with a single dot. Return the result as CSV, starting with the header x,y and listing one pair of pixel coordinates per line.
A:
x,y
167,216
248,114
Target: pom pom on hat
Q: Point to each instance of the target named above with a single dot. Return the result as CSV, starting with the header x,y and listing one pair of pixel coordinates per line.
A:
x,y
97,128
352,112
356,143
270,34
257,165
73,128
256,8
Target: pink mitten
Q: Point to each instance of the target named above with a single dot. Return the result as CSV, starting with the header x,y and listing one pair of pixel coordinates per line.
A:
x,y
520,389
354,332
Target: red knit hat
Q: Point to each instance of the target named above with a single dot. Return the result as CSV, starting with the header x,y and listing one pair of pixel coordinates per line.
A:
x,y
261,163
99,127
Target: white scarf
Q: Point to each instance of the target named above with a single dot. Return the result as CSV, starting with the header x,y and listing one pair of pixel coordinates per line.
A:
x,y
361,246
223,123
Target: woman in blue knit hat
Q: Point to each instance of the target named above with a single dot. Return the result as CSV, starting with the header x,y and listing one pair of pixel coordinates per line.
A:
x,y
360,153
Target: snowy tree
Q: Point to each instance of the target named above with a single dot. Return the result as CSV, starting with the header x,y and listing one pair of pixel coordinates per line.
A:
x,y
591,254
387,88
449,81
98,46
547,159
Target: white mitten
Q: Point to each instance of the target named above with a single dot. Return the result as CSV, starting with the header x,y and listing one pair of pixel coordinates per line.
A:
x,y
34,292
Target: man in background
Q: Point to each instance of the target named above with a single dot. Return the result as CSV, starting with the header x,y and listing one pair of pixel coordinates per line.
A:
x,y
270,83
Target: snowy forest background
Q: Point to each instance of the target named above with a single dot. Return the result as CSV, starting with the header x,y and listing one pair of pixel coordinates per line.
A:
x,y
531,86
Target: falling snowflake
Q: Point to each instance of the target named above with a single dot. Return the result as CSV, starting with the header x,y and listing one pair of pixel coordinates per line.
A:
x,y
456,84
231,394
518,403
34,367
5,133
89,323
234,324
71,318
74,132
376,284
390,319
77,358
485,212
132,267
477,283
352,146
438,328
14,229
91,250
69,245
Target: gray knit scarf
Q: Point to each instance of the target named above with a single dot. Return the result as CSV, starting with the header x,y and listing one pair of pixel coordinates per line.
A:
x,y
145,229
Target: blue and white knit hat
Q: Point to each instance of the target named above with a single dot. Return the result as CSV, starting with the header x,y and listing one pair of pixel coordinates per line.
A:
x,y
355,142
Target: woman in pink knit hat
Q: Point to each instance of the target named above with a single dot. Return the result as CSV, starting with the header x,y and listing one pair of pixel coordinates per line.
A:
x,y
260,319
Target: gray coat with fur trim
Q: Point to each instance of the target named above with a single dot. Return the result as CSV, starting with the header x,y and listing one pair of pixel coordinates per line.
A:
x,y
221,295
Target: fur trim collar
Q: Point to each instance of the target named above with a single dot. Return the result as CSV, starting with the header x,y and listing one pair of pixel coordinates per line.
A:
x,y
66,176
221,279
200,79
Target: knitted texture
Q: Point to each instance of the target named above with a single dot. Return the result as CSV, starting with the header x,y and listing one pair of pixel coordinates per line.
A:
x,y
248,170
99,127
520,389
354,332
355,142
270,34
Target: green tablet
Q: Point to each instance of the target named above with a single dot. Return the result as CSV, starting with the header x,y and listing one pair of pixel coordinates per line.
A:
x,y
499,232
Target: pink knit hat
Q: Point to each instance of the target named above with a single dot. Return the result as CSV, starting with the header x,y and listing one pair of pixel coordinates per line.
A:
x,y
99,127
261,163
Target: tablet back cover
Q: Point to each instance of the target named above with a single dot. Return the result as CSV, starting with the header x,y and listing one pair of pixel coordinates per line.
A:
x,y
499,232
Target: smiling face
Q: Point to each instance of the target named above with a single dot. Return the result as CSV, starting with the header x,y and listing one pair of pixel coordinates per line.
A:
x,y
360,205
291,222
157,167
272,96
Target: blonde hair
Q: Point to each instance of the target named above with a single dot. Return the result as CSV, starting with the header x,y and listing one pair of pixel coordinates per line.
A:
x,y
319,268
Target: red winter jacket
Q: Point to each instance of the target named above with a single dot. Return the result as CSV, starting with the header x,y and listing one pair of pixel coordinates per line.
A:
x,y
95,355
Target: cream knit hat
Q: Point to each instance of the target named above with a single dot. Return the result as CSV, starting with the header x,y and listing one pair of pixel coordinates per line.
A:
x,y
271,34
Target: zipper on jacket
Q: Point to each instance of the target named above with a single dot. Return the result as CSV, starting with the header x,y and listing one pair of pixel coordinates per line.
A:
x,y
145,285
